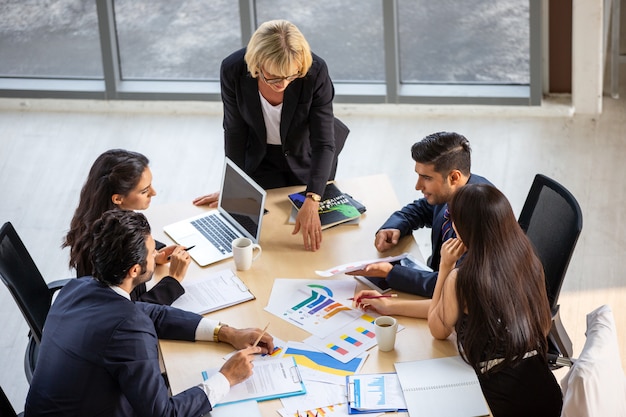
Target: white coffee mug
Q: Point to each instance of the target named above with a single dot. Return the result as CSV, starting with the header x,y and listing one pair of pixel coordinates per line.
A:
x,y
243,249
386,328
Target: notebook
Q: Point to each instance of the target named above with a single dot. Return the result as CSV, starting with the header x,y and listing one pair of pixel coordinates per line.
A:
x,y
239,214
444,387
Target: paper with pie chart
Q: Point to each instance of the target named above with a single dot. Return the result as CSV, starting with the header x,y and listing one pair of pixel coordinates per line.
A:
x,y
320,307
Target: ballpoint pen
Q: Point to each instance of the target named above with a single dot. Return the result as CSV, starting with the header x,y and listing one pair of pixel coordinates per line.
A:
x,y
186,249
261,335
369,297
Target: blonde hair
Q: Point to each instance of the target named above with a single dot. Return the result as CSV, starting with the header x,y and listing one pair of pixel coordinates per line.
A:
x,y
277,46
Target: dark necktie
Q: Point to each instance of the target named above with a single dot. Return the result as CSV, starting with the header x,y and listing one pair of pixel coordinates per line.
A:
x,y
446,227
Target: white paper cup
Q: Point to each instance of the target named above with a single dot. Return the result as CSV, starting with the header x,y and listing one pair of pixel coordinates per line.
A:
x,y
386,328
243,249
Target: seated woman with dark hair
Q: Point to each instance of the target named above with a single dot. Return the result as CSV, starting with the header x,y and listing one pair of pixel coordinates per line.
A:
x,y
122,179
495,300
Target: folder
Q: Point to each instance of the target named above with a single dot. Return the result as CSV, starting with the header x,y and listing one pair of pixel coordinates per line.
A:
x,y
374,393
213,292
272,378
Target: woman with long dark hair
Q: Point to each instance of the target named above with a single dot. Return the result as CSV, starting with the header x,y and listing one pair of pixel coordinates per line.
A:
x,y
496,302
121,179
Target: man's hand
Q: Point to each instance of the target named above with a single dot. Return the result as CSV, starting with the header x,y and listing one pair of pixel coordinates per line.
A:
x,y
243,338
386,239
163,255
238,367
210,199
308,220
378,269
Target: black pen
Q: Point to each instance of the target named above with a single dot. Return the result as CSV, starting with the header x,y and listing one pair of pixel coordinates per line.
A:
x,y
186,249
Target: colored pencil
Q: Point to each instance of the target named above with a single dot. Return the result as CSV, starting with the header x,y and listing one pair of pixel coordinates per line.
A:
x,y
369,297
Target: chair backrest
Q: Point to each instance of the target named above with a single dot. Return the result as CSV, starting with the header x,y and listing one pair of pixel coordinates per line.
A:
x,y
596,385
24,281
552,220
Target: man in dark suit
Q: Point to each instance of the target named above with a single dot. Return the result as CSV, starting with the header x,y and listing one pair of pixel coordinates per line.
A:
x,y
99,353
442,163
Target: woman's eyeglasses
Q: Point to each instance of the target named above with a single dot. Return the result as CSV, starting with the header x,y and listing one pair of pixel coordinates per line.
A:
x,y
289,78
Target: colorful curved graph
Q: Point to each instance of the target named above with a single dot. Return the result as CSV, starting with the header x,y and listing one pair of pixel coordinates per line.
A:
x,y
322,287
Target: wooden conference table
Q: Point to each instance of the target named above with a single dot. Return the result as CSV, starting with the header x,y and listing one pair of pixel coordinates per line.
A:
x,y
284,257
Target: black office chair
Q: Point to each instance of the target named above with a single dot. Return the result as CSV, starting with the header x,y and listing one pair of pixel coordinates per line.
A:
x,y
30,291
552,220
6,409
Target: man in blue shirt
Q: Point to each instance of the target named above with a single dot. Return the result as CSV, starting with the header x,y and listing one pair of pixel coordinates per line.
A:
x,y
442,163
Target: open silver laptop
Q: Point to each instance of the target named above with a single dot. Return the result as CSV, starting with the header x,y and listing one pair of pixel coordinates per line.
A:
x,y
239,214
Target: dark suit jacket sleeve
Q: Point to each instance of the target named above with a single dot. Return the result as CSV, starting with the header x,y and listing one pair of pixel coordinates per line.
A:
x,y
412,281
171,323
321,126
131,356
236,129
411,217
165,292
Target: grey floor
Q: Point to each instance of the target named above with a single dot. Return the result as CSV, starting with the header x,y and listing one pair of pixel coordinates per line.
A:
x,y
47,147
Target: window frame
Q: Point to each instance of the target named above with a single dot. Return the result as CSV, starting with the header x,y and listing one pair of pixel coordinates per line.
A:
x,y
113,87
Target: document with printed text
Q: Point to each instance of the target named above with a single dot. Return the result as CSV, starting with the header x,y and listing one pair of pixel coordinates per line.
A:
x,y
213,292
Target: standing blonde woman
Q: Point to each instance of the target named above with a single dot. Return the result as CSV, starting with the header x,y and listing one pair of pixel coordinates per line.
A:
x,y
279,125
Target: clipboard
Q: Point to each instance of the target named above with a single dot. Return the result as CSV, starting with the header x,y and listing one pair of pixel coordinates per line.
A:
x,y
282,372
213,292
374,393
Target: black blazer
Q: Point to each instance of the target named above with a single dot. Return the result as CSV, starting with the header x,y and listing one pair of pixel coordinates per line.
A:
x,y
307,128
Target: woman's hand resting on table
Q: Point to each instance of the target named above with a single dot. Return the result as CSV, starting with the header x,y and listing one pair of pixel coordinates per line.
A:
x,y
178,259
210,199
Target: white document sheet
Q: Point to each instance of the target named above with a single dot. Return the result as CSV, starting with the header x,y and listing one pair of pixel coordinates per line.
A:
x,y
320,307
213,292
270,379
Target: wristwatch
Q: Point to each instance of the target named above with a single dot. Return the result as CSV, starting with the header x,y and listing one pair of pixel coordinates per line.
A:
x,y
216,331
314,197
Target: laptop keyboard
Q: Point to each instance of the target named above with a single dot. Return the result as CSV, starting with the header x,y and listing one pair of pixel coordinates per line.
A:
x,y
246,222
216,232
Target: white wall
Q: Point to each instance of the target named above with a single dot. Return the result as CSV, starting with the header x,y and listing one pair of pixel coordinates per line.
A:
x,y
587,56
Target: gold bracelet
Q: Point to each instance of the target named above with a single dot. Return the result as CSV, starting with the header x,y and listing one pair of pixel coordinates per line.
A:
x,y
216,331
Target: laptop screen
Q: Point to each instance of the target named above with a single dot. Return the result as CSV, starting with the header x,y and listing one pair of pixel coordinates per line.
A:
x,y
242,199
